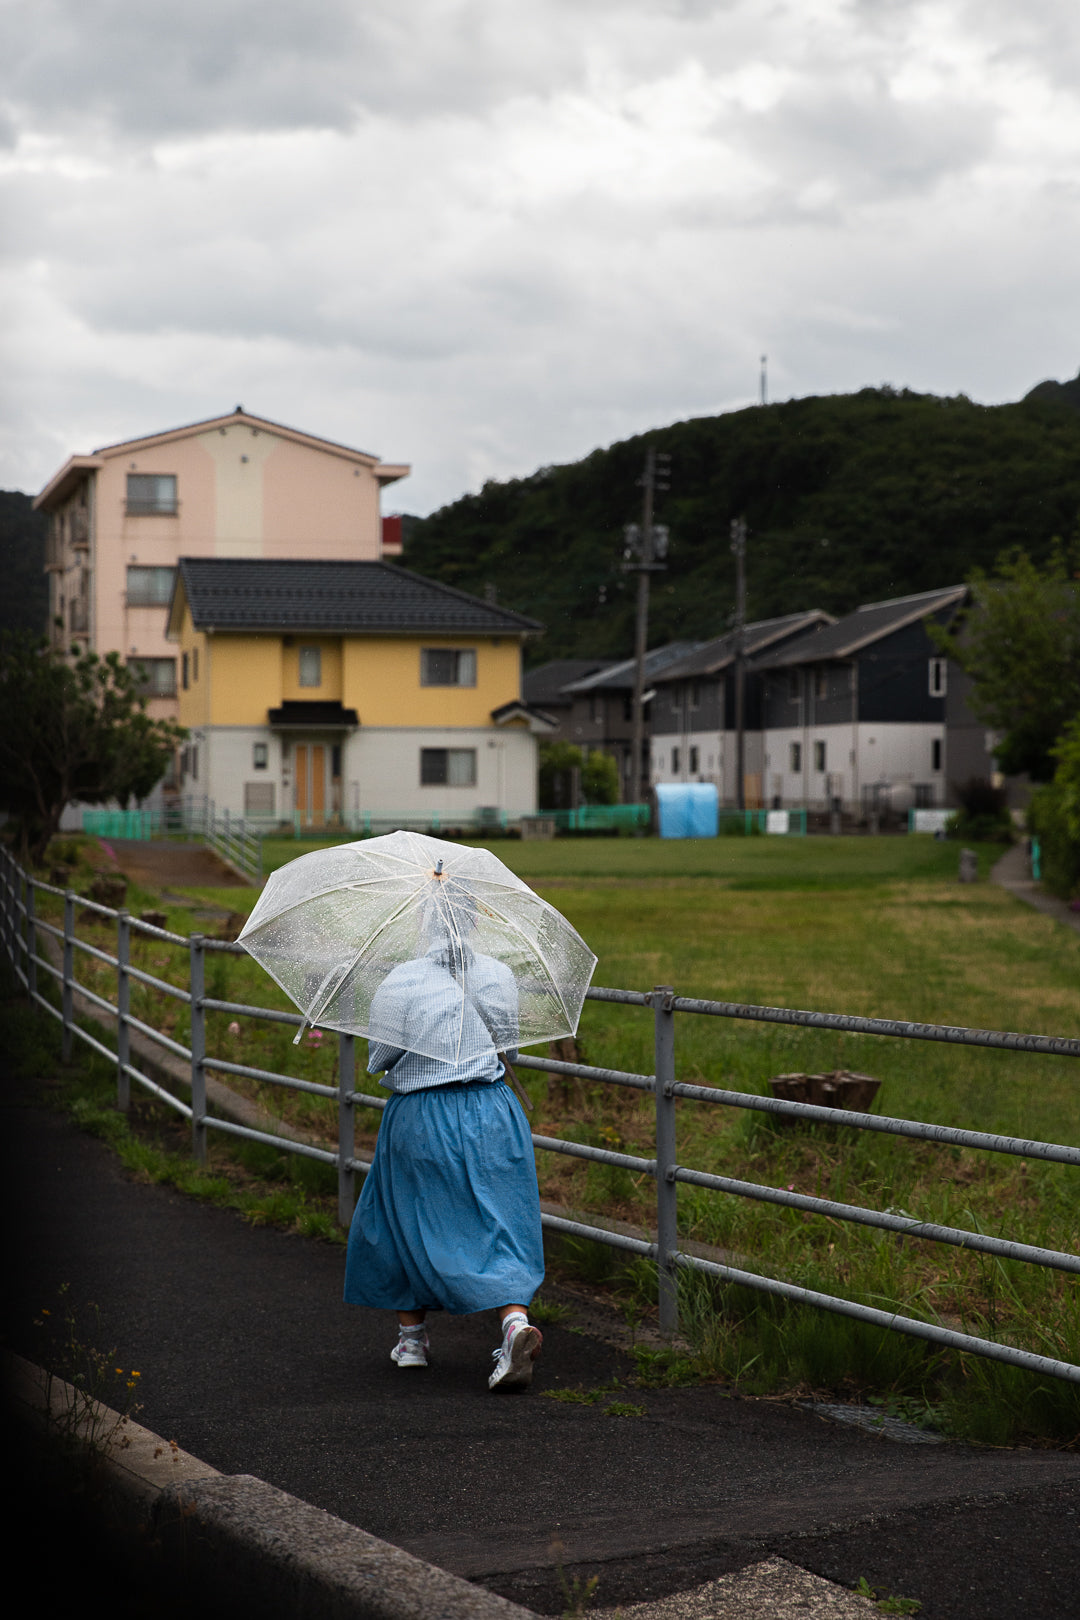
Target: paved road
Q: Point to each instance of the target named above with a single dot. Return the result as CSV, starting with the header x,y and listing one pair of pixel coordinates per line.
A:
x,y
250,1360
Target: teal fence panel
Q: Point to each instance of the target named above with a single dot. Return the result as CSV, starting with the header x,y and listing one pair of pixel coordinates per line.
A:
x,y
133,824
600,818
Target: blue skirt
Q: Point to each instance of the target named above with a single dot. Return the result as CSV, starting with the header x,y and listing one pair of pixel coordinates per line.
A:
x,y
449,1215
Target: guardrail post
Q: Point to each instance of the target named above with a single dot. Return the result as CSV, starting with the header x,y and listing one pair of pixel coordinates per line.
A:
x,y
67,1002
346,1116
667,1230
198,1048
123,1008
31,938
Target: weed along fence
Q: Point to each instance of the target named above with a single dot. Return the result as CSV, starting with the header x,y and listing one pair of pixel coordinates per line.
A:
x,y
43,954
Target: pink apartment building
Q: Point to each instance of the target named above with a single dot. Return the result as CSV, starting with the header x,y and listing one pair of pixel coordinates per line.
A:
x,y
234,486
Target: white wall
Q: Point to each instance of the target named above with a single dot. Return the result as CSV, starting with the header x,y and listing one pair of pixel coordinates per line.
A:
x,y
380,769
856,757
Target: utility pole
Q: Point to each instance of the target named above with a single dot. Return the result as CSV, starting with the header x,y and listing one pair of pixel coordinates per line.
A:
x,y
643,553
738,546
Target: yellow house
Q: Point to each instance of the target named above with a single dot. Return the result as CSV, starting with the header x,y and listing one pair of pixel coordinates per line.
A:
x,y
342,691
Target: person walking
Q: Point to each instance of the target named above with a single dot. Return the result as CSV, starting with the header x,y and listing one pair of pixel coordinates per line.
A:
x,y
449,1215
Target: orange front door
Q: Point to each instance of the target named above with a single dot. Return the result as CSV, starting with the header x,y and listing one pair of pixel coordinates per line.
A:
x,y
311,782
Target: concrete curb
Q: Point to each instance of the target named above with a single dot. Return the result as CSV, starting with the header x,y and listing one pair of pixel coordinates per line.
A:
x,y
234,1538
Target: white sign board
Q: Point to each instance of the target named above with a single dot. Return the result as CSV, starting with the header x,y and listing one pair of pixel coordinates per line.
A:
x,y
776,821
930,821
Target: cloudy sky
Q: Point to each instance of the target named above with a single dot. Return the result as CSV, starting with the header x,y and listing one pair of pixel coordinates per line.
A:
x,y
485,235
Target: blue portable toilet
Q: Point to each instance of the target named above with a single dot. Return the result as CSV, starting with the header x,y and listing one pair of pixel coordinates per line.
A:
x,y
688,809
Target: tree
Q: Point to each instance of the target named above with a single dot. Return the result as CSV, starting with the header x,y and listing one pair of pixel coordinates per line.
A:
x,y
598,777
1054,817
72,730
1020,643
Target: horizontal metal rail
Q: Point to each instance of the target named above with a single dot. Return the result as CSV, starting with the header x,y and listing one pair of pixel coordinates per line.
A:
x,y
885,1319
947,1135
93,997
582,1150
586,1071
598,1234
952,1034
284,1142
905,1225
175,1047
269,1076
364,1101
95,951
268,1014
158,1091
159,984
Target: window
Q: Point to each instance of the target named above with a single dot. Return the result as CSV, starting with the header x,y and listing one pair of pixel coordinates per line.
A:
x,y
258,798
311,666
935,754
448,767
260,756
150,494
674,762
938,676
819,756
695,700
149,587
924,795
194,664
443,666
693,761
185,670
155,677
796,757
821,683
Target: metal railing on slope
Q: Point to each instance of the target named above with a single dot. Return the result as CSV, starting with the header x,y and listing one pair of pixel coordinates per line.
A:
x,y
20,926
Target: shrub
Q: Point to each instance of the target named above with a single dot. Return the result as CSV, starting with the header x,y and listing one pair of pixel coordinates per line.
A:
x,y
1054,817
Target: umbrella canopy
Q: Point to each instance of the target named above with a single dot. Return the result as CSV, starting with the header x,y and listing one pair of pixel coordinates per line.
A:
x,y
428,946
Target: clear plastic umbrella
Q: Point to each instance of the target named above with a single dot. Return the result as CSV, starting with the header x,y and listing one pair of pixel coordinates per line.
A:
x,y
429,946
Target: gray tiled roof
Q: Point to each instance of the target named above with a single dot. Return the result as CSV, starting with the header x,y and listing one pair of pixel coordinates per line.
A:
x,y
259,594
713,656
545,683
867,624
617,677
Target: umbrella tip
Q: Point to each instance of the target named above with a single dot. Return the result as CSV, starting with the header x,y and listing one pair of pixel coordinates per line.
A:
x,y
438,869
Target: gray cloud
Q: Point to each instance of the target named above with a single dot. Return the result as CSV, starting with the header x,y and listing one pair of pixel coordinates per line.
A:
x,y
482,235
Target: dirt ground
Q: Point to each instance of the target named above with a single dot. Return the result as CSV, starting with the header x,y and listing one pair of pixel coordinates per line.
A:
x,y
165,865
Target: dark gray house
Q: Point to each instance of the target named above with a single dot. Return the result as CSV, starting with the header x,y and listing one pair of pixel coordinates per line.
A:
x,y
602,706
856,711
693,715
544,688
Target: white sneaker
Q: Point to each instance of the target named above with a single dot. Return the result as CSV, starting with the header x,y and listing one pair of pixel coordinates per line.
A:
x,y
411,1350
515,1356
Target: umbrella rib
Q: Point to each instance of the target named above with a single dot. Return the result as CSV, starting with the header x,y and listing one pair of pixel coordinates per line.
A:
x,y
535,944
314,1011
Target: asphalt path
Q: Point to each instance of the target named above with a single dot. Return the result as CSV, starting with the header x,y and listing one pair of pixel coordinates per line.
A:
x,y
249,1359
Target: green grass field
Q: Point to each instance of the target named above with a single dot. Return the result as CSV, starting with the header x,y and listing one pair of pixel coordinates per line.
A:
x,y
870,926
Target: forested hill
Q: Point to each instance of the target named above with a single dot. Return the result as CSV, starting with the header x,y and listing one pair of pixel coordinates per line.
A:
x,y
24,600
848,498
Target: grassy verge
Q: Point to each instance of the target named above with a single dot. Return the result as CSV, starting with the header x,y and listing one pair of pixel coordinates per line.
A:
x,y
874,926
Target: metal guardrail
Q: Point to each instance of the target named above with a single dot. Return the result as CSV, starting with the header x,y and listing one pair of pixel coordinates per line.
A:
x,y
20,927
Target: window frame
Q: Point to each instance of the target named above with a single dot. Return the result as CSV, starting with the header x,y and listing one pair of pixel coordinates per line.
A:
x,y
260,756
148,689
462,659
820,756
160,504
149,599
938,677
428,765
311,653
795,758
